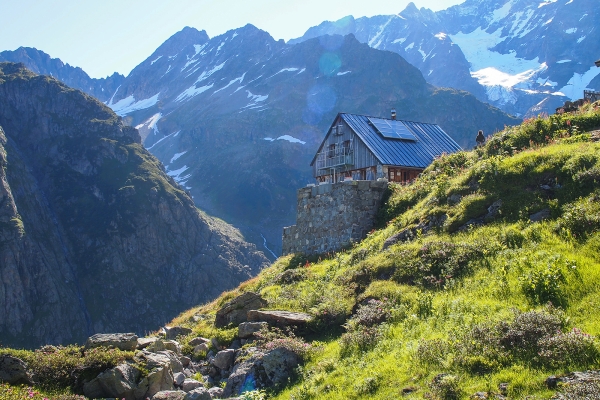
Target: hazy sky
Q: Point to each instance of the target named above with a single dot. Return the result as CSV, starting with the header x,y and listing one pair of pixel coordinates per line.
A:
x,y
104,36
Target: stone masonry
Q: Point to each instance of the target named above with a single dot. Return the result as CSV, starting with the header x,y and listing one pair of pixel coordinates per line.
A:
x,y
331,216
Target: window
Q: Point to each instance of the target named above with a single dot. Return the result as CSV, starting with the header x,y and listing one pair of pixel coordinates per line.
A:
x,y
331,152
346,147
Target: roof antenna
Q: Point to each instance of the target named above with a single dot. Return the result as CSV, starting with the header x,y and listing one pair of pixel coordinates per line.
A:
x,y
393,113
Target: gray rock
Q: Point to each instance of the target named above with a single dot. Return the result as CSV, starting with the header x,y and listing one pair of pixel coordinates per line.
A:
x,y
198,340
403,236
215,393
145,342
280,318
494,209
234,312
260,370
172,332
185,361
190,384
454,199
178,378
93,390
540,215
169,395
224,359
201,348
174,346
122,341
158,380
119,382
279,365
203,394
156,346
13,370
247,329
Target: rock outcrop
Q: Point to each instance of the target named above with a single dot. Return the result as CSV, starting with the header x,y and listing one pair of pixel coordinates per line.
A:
x,y
94,235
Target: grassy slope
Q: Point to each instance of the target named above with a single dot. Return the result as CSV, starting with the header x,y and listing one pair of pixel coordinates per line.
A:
x,y
451,297
437,288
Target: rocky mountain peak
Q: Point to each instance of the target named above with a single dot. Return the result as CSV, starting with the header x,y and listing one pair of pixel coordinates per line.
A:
x,y
94,235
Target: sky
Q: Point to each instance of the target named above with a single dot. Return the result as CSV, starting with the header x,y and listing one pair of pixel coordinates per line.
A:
x,y
107,36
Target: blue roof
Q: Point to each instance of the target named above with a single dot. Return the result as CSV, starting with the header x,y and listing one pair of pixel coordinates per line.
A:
x,y
431,142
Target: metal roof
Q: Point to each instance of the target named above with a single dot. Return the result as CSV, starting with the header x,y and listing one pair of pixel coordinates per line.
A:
x,y
431,142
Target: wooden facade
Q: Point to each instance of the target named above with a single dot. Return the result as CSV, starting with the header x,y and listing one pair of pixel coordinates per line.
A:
x,y
344,156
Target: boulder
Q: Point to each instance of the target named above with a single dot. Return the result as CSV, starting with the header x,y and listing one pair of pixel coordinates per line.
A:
x,y
203,394
403,236
261,370
201,348
93,390
234,312
174,346
540,215
13,370
145,342
169,395
122,341
185,361
158,380
278,365
178,378
190,384
156,346
198,340
224,359
280,319
247,329
172,332
119,382
214,392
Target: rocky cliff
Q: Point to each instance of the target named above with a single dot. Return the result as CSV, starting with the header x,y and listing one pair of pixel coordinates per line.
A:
x,y
94,236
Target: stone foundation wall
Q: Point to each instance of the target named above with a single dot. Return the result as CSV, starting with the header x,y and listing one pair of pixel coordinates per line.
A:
x,y
331,216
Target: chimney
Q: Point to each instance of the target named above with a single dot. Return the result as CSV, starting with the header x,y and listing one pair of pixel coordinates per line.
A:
x,y
393,113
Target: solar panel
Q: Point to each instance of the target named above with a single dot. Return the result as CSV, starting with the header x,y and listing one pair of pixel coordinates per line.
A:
x,y
392,129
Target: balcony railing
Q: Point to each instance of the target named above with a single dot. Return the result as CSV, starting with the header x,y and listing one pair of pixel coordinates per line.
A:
x,y
335,158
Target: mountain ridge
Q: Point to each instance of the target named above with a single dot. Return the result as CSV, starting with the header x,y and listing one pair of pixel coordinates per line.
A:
x,y
95,236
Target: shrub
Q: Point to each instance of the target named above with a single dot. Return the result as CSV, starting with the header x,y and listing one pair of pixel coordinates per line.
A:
x,y
435,263
360,339
523,334
433,352
372,313
446,387
582,217
544,285
367,386
274,338
574,348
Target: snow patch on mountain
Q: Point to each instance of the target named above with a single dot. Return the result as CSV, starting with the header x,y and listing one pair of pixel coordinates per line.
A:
x,y
440,36
399,40
578,83
290,139
373,41
284,70
193,91
172,135
239,79
155,60
151,123
128,104
176,174
343,73
176,156
206,74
